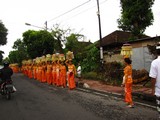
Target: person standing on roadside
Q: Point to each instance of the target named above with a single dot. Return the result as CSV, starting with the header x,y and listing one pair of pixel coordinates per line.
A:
x,y
127,82
155,78
79,72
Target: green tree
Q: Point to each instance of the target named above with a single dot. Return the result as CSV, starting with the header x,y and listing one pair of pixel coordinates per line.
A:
x,y
1,56
90,58
72,43
136,15
3,37
20,51
3,33
60,36
38,43
14,56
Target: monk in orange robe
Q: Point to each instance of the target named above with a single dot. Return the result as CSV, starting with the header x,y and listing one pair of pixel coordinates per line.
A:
x,y
49,73
63,73
71,74
127,82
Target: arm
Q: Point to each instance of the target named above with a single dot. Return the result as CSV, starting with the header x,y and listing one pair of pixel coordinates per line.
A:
x,y
153,81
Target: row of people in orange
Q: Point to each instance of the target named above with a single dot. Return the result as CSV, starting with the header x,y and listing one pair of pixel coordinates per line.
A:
x,y
58,73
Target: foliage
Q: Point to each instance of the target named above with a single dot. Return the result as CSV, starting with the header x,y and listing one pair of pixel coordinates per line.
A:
x,y
140,76
1,56
3,37
3,33
90,75
13,56
20,52
136,16
72,43
59,36
90,58
38,43
113,72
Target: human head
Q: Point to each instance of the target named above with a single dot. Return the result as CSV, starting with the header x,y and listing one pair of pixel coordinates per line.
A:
x,y
128,61
158,48
70,61
6,63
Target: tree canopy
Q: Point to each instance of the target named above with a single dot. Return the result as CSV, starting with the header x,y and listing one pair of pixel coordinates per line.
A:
x,y
38,43
3,33
136,15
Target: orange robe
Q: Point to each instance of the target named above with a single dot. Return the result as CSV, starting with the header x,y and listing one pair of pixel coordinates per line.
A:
x,y
30,75
49,74
34,72
71,73
63,75
57,75
54,75
128,84
40,73
43,73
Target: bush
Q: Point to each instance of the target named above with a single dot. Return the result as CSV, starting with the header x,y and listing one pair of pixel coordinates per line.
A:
x,y
90,75
111,73
140,76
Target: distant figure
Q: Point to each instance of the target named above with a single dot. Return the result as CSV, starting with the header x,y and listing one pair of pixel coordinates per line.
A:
x,y
79,72
155,77
5,73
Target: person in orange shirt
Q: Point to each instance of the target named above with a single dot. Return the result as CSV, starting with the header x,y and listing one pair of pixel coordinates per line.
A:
x,y
71,74
127,82
62,74
49,73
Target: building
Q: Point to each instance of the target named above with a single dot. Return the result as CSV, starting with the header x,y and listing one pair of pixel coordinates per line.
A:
x,y
141,57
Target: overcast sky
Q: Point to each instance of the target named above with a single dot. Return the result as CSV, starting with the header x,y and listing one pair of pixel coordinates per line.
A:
x,y
15,13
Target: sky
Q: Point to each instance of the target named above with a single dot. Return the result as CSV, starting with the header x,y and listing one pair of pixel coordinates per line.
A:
x,y
78,15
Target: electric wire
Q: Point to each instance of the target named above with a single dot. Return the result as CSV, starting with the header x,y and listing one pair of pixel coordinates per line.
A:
x,y
84,11
70,10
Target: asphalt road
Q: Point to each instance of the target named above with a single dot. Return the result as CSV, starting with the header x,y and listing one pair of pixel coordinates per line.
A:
x,y
39,101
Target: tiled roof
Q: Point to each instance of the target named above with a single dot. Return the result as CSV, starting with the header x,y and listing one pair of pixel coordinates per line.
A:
x,y
117,37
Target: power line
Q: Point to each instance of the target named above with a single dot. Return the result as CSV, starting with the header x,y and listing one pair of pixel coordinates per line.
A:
x,y
85,10
70,10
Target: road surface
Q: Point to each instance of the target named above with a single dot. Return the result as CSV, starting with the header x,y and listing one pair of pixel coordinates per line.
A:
x,y
40,101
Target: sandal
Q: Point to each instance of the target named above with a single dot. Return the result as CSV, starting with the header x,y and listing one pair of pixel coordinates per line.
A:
x,y
130,106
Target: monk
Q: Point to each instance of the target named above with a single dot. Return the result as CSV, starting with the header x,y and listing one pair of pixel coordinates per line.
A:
x,y
71,74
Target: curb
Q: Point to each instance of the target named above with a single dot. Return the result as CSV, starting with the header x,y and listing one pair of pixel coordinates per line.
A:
x,y
139,98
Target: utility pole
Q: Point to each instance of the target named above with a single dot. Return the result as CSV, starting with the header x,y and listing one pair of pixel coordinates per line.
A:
x,y
100,33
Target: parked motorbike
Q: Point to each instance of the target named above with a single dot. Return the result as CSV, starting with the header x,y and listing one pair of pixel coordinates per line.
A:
x,y
7,89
